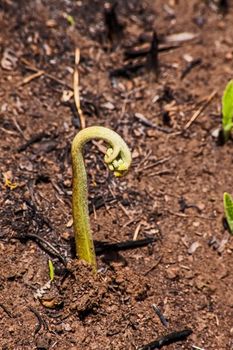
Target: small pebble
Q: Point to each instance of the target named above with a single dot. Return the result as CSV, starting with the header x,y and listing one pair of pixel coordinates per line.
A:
x,y
228,56
67,327
172,273
108,105
196,223
215,132
65,235
193,247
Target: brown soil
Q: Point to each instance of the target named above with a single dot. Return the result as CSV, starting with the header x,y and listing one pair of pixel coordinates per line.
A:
x,y
187,272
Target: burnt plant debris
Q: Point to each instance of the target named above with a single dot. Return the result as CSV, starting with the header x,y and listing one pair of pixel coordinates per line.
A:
x,y
166,119
34,139
161,316
114,28
127,71
99,202
43,243
102,247
137,52
152,63
223,6
167,340
146,59
184,205
220,138
194,63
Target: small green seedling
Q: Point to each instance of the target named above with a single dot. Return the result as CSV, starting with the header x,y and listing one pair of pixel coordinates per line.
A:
x,y
228,209
227,110
51,270
118,159
70,19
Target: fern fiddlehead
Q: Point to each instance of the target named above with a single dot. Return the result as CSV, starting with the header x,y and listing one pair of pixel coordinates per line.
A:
x,y
118,159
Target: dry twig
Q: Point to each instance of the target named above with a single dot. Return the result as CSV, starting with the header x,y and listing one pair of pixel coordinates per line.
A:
x,y
160,315
125,211
76,89
31,77
200,110
154,266
29,66
182,215
167,340
41,321
153,165
136,232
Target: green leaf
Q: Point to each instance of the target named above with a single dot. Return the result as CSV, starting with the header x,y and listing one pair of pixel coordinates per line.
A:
x,y
228,209
70,20
227,106
51,270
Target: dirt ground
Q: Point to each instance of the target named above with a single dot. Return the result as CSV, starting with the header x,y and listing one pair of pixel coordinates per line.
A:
x,y
173,192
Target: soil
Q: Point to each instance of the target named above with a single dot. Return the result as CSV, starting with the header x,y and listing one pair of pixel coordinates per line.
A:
x,y
173,192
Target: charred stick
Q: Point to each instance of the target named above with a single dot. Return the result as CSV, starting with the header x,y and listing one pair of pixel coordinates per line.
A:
x,y
223,6
160,315
184,205
152,62
99,202
47,246
132,54
113,26
148,123
34,139
152,56
167,340
221,138
41,321
75,116
126,71
166,118
37,216
102,247
190,66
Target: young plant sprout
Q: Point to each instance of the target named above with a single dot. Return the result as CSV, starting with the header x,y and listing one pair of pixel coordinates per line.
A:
x,y
51,271
228,209
227,110
118,159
